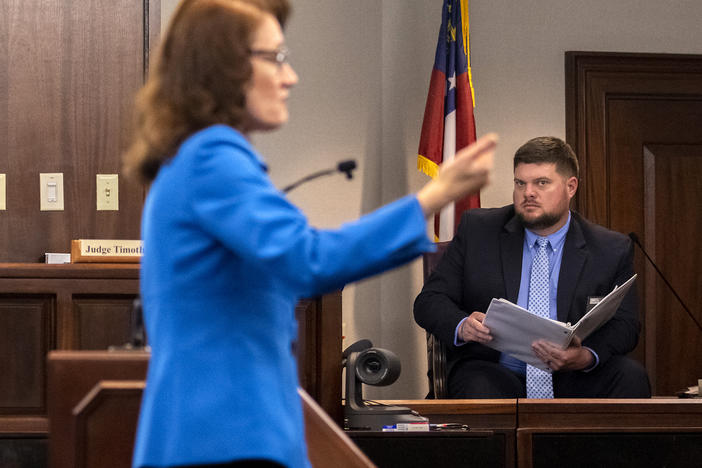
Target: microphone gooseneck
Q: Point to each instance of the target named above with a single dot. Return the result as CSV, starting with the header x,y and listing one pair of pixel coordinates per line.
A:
x,y
346,167
635,238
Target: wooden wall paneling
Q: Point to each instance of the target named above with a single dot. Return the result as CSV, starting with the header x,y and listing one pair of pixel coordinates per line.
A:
x,y
629,117
482,414
31,131
23,451
72,375
96,313
152,24
306,314
596,80
69,71
68,75
671,238
586,447
328,354
4,92
498,416
83,308
102,425
326,441
37,315
319,351
609,432
26,335
474,448
602,413
105,424
645,199
102,321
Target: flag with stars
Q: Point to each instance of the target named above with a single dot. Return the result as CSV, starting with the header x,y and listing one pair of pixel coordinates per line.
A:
x,y
448,122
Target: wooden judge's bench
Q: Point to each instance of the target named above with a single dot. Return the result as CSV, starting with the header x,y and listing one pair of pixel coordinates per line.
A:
x,y
63,393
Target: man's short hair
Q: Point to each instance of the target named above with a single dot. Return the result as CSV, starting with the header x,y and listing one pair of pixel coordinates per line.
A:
x,y
542,150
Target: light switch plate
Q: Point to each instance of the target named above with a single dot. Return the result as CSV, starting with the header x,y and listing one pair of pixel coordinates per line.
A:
x,y
3,192
107,192
51,191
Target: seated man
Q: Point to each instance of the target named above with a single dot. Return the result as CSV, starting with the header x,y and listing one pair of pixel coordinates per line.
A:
x,y
548,259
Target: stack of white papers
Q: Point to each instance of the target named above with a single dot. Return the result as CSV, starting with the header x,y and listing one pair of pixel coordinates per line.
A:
x,y
514,328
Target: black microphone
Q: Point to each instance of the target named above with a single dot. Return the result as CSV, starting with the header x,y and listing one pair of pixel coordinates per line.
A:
x,y
635,238
138,333
346,167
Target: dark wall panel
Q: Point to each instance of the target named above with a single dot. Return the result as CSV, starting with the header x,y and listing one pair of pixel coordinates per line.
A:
x,y
102,321
69,71
23,452
25,338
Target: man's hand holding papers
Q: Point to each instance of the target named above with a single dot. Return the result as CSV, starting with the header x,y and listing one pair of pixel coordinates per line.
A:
x,y
472,329
574,357
545,343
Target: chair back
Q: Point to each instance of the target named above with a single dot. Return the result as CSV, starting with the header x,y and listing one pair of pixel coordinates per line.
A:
x,y
436,350
431,259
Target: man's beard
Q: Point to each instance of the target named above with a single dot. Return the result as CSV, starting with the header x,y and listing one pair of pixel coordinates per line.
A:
x,y
544,221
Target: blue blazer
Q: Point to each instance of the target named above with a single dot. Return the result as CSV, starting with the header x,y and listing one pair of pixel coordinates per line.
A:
x,y
226,258
484,260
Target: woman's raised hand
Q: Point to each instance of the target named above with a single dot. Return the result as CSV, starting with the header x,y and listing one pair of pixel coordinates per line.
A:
x,y
466,173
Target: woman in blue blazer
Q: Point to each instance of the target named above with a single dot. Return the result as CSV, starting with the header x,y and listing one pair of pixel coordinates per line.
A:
x,y
226,256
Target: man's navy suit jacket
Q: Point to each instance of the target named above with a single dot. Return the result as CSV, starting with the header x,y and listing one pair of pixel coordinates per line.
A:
x,y
484,261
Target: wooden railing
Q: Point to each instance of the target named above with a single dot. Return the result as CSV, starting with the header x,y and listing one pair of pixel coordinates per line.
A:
x,y
327,445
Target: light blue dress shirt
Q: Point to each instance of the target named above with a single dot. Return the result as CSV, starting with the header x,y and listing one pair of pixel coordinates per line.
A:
x,y
556,242
555,254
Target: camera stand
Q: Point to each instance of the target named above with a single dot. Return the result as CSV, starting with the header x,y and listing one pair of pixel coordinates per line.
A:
x,y
373,366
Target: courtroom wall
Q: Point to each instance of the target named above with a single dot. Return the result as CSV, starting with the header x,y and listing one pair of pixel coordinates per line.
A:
x,y
364,68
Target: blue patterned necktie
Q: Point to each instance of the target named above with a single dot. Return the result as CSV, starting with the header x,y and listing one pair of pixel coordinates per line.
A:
x,y
539,383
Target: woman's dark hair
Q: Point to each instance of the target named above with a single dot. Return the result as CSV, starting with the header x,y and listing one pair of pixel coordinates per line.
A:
x,y
198,78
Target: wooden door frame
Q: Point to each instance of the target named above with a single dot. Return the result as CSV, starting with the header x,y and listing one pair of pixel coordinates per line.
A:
x,y
583,103
591,79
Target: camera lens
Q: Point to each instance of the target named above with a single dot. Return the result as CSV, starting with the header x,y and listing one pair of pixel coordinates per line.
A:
x,y
372,366
376,366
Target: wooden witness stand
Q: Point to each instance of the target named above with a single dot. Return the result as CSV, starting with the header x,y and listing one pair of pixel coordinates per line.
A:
x,y
581,432
610,432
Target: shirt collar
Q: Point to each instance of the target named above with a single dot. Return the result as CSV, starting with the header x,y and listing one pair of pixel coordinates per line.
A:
x,y
555,240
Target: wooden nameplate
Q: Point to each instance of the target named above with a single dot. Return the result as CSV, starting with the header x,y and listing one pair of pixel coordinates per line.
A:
x,y
106,251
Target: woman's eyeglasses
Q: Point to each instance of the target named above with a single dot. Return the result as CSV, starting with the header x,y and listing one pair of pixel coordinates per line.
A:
x,y
279,56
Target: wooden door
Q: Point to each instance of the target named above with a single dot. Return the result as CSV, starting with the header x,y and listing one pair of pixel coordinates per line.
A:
x,y
635,121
